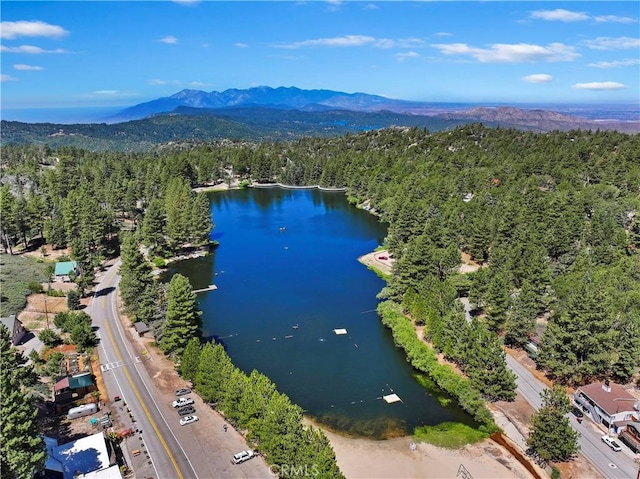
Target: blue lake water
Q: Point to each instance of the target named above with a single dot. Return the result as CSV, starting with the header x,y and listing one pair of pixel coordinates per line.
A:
x,y
287,275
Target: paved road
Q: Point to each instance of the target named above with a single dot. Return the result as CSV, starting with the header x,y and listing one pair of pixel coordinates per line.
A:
x,y
125,376
612,465
201,450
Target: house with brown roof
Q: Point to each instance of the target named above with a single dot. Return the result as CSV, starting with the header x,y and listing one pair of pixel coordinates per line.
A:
x,y
609,404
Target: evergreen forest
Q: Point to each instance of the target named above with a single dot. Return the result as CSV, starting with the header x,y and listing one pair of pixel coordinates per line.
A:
x,y
552,219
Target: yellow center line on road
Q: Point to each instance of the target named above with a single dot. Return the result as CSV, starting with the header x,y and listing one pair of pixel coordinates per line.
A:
x,y
137,394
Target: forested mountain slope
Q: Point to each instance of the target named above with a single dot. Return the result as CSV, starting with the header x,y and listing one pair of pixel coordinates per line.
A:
x,y
553,215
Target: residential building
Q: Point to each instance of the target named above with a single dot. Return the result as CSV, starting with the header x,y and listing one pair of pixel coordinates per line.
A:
x,y
64,269
608,403
16,330
87,457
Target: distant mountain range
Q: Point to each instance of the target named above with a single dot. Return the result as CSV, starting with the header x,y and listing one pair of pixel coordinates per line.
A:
x,y
265,113
281,98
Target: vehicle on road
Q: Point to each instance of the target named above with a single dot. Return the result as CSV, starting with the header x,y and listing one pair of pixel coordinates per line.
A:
x,y
182,392
242,456
188,420
182,402
577,412
611,443
185,410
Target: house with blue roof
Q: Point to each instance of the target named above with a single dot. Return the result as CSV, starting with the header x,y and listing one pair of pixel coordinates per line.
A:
x,y
64,269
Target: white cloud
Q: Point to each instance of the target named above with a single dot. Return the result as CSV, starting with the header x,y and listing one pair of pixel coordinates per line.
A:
x,y
241,45
4,78
164,82
403,56
511,53
559,15
370,6
538,78
186,2
613,43
106,92
30,49
356,41
21,66
334,5
603,85
399,43
443,34
198,84
344,41
614,19
616,63
169,39
10,30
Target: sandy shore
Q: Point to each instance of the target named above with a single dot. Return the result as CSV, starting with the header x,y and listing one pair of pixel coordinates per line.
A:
x,y
393,459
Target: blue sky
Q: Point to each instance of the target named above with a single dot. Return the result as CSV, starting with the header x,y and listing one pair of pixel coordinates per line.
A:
x,y
87,54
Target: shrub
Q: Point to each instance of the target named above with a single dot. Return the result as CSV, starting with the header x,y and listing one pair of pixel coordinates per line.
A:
x,y
159,262
34,287
49,337
73,300
55,293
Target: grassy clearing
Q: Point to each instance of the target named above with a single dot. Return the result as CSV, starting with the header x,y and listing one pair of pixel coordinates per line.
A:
x,y
16,272
452,435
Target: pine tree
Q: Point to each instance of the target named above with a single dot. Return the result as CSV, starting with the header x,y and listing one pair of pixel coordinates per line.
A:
x,y
552,437
521,316
214,372
579,342
183,318
497,300
135,272
153,226
486,366
178,205
21,446
201,223
190,360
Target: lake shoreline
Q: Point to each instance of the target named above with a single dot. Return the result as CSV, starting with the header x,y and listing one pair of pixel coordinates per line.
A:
x,y
404,458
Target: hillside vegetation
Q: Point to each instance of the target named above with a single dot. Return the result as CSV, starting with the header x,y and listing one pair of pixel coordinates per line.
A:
x,y
554,216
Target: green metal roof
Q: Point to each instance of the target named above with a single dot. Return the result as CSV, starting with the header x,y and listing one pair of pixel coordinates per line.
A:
x,y
80,381
63,268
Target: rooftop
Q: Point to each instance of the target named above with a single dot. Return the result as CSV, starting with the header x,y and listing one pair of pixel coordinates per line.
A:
x,y
613,401
63,268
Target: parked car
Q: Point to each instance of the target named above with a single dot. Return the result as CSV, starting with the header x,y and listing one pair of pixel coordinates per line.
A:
x,y
242,456
182,392
184,410
611,443
182,402
188,420
577,412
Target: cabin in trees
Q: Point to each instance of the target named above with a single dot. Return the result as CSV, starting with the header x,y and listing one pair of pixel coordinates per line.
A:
x,y
64,269
71,388
609,404
16,330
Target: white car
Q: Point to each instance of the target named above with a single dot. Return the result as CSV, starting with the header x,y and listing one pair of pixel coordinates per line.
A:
x,y
611,443
188,420
242,456
182,402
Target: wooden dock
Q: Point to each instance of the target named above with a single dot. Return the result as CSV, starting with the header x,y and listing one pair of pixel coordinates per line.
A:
x,y
211,287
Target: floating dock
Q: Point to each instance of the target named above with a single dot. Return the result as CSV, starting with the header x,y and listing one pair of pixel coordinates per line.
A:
x,y
211,287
